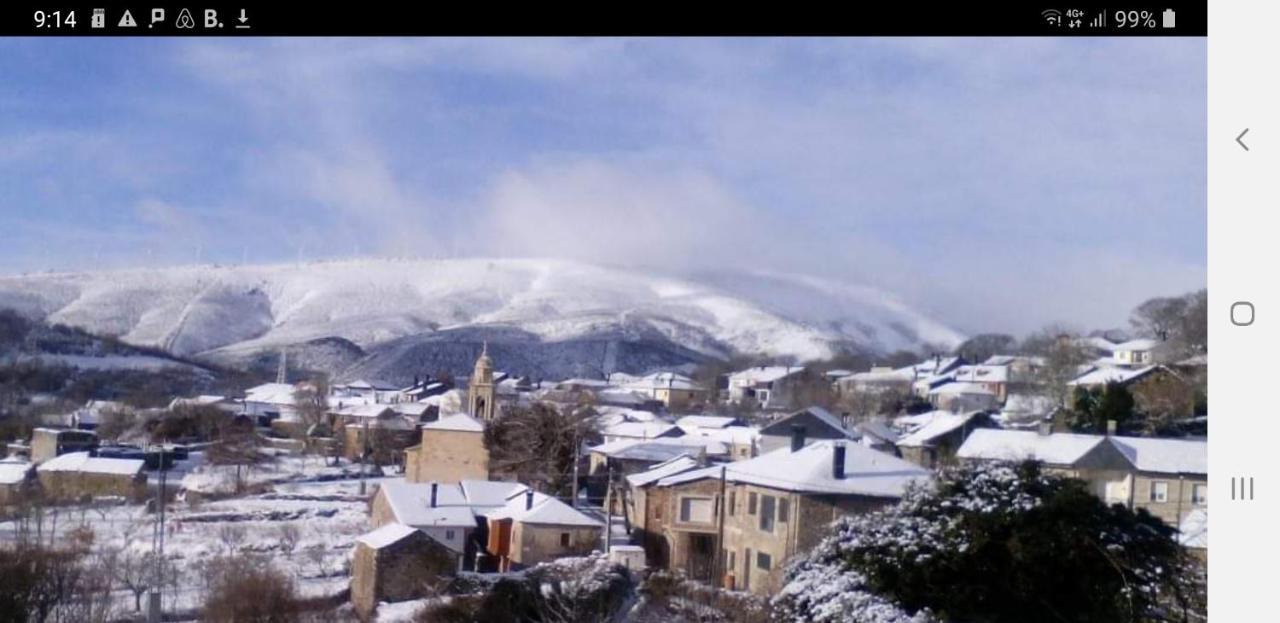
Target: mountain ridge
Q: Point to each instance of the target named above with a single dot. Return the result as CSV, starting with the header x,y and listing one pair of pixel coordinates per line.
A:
x,y
234,313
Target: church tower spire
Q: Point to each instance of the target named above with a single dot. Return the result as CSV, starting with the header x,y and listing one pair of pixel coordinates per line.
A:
x,y
481,394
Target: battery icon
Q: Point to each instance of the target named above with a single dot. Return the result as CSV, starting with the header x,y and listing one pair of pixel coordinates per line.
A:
x,y
1168,18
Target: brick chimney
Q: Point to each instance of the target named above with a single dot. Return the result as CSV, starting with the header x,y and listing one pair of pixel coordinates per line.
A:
x,y
837,460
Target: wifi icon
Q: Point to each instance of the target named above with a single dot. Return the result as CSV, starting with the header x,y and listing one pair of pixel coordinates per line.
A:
x,y
1052,17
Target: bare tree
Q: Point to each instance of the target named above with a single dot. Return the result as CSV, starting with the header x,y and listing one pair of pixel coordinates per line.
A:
x,y
135,571
1063,356
538,446
231,536
311,400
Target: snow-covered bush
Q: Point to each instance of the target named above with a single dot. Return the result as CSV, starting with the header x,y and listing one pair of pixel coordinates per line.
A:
x,y
568,590
994,543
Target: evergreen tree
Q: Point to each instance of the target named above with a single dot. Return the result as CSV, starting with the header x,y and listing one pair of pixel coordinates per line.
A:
x,y
996,544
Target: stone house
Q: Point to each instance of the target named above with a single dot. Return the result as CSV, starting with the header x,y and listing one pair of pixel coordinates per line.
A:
x,y
452,449
78,475
1166,477
47,443
639,484
377,430
958,396
674,391
737,524
450,513
533,527
396,563
934,441
816,423
15,480
771,387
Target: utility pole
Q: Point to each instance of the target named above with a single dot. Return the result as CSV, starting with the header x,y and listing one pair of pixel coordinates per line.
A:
x,y
154,603
577,452
364,454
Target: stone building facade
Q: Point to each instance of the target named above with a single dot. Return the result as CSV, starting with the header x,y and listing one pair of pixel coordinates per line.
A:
x,y
396,563
452,449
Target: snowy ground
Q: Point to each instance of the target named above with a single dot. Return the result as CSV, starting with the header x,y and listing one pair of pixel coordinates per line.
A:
x,y
322,505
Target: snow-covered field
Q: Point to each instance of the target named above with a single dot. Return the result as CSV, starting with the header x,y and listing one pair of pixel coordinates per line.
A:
x,y
203,309
305,525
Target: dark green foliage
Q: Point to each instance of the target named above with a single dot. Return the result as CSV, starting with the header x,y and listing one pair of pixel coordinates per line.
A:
x,y
1095,407
981,347
1007,544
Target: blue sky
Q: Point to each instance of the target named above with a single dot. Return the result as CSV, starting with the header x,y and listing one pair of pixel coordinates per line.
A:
x,y
1001,184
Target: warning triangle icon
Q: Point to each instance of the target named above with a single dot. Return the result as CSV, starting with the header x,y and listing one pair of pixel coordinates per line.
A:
x,y
126,21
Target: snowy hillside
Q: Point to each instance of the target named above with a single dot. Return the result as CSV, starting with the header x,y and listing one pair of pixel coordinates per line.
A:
x,y
238,312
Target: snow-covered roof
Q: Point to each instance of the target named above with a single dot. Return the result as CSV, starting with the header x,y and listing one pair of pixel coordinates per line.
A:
x,y
960,388
706,421
900,375
489,493
1103,376
82,462
622,396
818,413
741,435
660,448
809,470
640,430
410,502
1166,456
457,422
545,510
1146,454
878,429
665,380
670,467
270,393
762,374
368,410
655,451
1138,344
1027,404
416,409
940,424
1194,530
982,373
386,535
1017,445
13,472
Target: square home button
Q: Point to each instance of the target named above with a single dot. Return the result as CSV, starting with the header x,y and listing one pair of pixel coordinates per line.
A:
x,y
1242,313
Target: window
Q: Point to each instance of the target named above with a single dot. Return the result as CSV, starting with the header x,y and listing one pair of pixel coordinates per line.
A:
x,y
730,559
564,539
733,502
751,503
448,535
767,509
696,510
1159,491
763,561
784,509
1199,494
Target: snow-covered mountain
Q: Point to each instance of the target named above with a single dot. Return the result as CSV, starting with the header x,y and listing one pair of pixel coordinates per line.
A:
x,y
353,310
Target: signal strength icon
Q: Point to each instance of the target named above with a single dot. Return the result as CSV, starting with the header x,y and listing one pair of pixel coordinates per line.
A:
x,y
1100,21
1052,17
